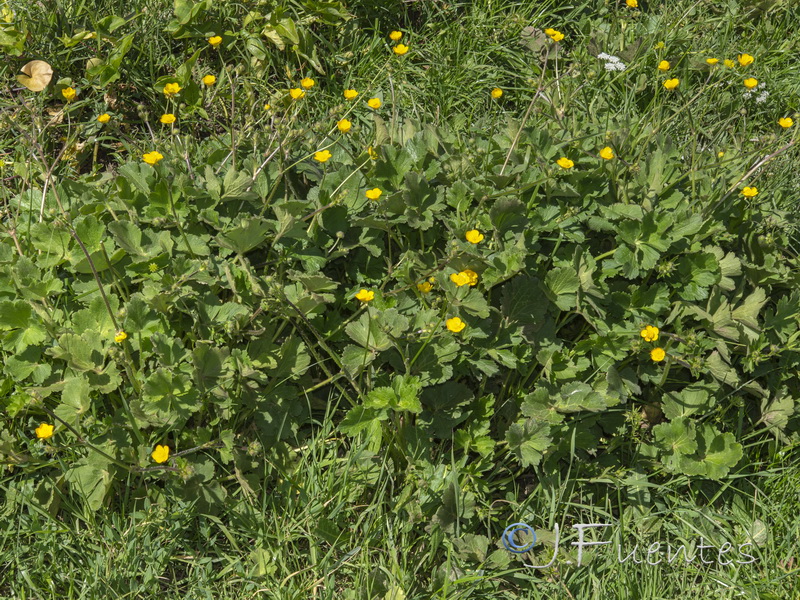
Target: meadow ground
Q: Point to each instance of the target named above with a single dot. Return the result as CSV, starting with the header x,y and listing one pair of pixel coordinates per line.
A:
x,y
316,298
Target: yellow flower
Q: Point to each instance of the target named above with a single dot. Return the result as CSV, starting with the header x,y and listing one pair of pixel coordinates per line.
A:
x,y
712,61
69,94
455,324
395,36
565,163
374,103
744,59
749,192
44,431
322,156
350,94
649,333
167,118
267,107
296,93
472,275
307,83
425,287
209,80
607,153
365,295
120,337
657,354
344,125
171,89
671,84
750,82
400,49
663,65
459,278
152,158
658,46
550,31
557,36
785,122
729,63
104,118
720,154
160,454
632,3
474,236
374,193
215,41
497,93
372,154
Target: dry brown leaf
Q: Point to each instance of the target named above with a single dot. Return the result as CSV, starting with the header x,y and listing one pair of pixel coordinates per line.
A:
x,y
36,75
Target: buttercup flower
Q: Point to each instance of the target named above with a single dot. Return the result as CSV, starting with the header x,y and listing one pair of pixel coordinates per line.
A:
x,y
44,431
209,80
649,333
785,122
607,153
374,103
171,89
557,36
497,93
455,324
729,63
720,154
395,36
400,49
215,41
267,107
657,354
712,61
565,163
160,454
167,118
120,337
374,193
322,156
744,59
550,31
307,83
350,94
474,236
750,82
663,65
344,125
365,295
671,84
459,278
104,118
632,3
425,287
151,158
472,277
69,94
296,93
372,154
749,192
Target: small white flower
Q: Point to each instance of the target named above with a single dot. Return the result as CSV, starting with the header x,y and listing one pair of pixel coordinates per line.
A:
x,y
603,56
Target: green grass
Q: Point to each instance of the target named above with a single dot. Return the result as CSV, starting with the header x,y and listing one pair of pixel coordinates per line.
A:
x,y
322,515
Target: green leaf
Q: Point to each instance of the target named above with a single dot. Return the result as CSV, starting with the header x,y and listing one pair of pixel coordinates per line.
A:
x,y
248,235
529,440
692,399
676,437
561,285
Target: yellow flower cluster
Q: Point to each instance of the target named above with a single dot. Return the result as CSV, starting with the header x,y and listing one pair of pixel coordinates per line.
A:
x,y
365,295
555,35
465,277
